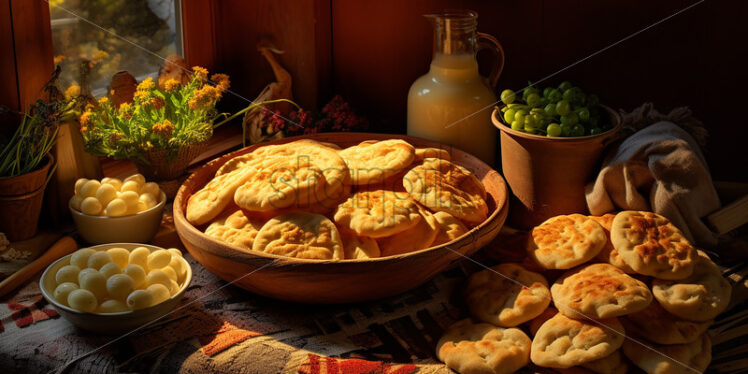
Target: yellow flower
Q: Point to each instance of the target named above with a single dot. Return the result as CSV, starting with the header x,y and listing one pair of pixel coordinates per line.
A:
x,y
204,97
142,95
59,58
99,55
85,117
73,91
222,81
146,85
103,100
163,129
124,110
200,73
171,84
155,102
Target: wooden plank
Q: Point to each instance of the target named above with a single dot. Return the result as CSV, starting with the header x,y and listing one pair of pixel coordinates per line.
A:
x,y
9,86
198,33
32,37
729,217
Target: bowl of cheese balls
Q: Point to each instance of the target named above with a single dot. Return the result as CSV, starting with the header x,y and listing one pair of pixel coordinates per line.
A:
x,y
113,210
115,288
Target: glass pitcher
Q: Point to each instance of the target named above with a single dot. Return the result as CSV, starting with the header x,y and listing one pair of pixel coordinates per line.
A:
x,y
452,103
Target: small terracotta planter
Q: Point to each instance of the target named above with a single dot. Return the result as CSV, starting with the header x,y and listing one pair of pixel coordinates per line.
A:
x,y
547,176
21,200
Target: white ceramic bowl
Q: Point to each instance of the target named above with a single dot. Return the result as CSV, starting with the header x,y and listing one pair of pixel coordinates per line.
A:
x,y
140,227
110,323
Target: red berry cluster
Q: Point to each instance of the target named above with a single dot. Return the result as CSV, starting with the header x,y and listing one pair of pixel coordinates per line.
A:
x,y
337,115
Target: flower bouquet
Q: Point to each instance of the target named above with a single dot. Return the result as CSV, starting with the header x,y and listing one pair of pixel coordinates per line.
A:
x,y
162,129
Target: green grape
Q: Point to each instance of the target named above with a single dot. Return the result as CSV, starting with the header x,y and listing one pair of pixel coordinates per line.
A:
x,y
539,118
553,130
529,91
577,130
507,96
569,95
565,85
570,119
533,100
566,130
544,101
531,123
550,110
584,114
547,91
595,131
554,96
520,115
509,115
537,110
563,108
518,125
578,96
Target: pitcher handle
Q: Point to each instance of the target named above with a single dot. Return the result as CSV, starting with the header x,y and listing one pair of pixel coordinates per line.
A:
x,y
487,41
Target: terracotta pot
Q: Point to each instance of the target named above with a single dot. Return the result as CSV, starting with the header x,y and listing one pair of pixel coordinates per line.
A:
x,y
342,281
21,200
547,176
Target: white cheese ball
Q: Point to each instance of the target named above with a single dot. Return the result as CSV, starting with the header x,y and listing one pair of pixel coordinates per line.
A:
x,y
175,252
110,269
139,256
116,208
99,259
112,306
179,267
89,188
79,184
131,199
139,178
153,189
75,202
94,281
146,201
139,299
168,270
130,186
173,288
91,206
119,286
159,293
83,300
80,257
158,259
114,182
63,290
105,194
120,256
157,277
67,273
137,274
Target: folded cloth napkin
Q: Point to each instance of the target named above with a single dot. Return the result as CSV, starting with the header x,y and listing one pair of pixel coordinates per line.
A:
x,y
659,168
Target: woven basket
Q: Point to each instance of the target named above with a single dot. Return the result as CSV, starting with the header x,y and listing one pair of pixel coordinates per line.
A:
x,y
161,167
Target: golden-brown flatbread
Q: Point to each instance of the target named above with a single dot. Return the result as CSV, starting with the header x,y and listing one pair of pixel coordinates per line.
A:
x,y
378,213
300,235
563,242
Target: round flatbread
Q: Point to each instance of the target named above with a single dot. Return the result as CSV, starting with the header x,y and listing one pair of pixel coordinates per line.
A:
x,y
424,153
507,295
655,324
480,348
207,203
359,247
279,183
688,358
374,161
378,213
599,291
700,297
235,229
300,235
450,228
562,342
609,254
418,237
563,242
610,364
443,186
651,245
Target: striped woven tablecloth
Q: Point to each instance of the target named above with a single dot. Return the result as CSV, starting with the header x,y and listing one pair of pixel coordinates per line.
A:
x,y
231,330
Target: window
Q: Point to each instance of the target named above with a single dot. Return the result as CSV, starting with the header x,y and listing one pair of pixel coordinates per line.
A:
x,y
94,39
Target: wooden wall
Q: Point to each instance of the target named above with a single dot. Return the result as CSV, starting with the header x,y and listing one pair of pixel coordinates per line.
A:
x,y
695,59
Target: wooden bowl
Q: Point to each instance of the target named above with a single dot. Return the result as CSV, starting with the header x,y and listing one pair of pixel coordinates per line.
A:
x,y
323,281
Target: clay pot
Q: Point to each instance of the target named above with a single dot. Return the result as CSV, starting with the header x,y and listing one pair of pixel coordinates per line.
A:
x,y
21,200
547,176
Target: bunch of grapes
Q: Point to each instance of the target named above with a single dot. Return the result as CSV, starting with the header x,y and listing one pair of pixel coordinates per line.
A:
x,y
556,111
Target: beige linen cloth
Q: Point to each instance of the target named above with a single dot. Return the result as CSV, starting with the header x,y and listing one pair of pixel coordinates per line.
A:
x,y
659,168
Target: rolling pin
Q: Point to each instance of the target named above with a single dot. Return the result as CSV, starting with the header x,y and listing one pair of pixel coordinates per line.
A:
x,y
62,247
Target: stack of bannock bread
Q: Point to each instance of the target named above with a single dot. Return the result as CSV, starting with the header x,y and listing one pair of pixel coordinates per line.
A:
x,y
313,200
629,293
